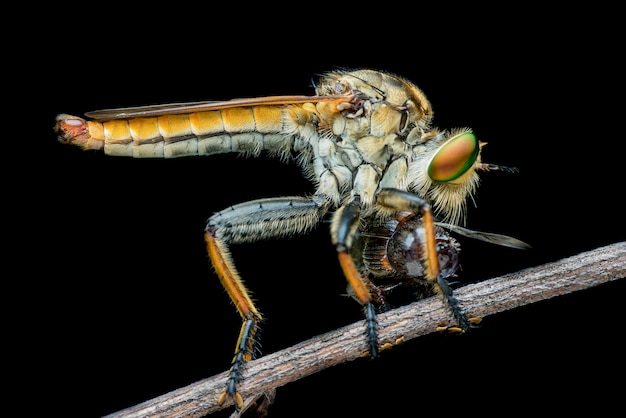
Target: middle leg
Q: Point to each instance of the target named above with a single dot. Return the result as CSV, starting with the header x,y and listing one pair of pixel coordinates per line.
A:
x,y
402,201
344,227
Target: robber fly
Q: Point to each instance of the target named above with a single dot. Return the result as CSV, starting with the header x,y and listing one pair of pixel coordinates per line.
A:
x,y
381,171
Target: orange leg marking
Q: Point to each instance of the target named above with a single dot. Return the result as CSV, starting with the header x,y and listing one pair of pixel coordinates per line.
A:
x,y
230,280
363,294
353,277
431,246
244,351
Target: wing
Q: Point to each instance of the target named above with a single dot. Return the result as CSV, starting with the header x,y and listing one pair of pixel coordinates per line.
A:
x,y
191,107
497,239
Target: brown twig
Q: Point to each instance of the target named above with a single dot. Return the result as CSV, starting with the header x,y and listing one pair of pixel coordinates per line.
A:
x,y
482,299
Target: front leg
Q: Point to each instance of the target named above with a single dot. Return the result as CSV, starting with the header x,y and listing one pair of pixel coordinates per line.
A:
x,y
402,201
247,222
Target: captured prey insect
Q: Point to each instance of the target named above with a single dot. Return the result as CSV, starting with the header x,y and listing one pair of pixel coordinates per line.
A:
x,y
381,172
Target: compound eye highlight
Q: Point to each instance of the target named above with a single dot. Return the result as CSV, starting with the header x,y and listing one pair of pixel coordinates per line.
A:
x,y
454,158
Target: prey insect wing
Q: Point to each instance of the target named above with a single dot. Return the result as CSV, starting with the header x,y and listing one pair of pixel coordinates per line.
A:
x,y
497,239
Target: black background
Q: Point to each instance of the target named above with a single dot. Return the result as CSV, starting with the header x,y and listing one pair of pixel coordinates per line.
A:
x,y
126,304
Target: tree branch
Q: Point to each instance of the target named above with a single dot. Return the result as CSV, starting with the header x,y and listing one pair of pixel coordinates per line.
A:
x,y
482,299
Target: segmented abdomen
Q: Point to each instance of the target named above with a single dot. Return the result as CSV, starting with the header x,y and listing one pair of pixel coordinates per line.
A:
x,y
247,130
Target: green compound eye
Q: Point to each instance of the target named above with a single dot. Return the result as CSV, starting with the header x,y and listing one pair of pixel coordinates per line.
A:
x,y
454,158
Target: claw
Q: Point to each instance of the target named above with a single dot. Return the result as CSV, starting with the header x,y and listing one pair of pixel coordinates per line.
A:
x,y
237,399
474,320
455,330
389,346
256,406
386,346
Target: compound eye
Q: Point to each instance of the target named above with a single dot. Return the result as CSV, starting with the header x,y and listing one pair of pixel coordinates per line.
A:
x,y
454,158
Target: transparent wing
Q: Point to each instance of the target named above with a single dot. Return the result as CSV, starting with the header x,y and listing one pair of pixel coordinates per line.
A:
x,y
178,108
497,239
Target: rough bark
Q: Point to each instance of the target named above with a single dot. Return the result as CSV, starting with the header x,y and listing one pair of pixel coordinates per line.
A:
x,y
482,299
